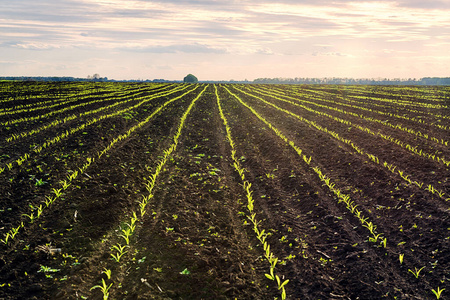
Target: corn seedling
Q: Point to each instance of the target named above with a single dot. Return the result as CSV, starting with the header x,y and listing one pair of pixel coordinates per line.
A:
x,y
416,271
142,208
57,192
48,201
126,234
15,230
375,237
107,272
64,184
281,286
438,292
120,252
39,211
104,288
400,257
30,216
5,240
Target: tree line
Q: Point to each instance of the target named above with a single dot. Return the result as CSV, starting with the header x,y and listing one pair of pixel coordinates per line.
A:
x,y
278,80
362,81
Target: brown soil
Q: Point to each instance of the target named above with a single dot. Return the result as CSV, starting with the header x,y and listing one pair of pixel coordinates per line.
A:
x,y
194,241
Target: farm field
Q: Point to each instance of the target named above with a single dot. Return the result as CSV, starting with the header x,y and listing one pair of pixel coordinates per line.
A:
x,y
223,191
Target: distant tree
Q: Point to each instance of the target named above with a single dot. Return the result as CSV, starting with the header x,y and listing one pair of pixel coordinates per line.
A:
x,y
190,79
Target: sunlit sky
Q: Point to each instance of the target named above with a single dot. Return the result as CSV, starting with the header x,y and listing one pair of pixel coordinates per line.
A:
x,y
223,40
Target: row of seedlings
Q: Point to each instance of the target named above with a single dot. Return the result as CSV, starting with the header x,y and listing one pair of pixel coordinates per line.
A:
x,y
403,111
342,197
247,186
389,166
11,233
125,233
68,132
126,98
407,146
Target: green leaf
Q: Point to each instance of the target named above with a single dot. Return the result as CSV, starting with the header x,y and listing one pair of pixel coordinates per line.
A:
x,y
284,283
185,272
269,276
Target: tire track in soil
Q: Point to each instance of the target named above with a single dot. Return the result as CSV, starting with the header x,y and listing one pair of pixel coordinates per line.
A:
x,y
308,138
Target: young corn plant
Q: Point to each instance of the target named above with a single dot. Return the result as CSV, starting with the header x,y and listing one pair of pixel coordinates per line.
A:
x,y
416,271
104,288
438,292
120,252
39,211
31,216
127,232
5,240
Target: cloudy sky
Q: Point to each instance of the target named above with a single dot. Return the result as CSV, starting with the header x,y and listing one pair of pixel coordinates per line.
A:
x,y
223,40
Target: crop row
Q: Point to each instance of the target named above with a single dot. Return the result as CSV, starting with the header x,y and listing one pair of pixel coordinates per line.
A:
x,y
65,184
247,186
389,166
363,100
120,249
38,148
324,97
52,103
412,149
342,198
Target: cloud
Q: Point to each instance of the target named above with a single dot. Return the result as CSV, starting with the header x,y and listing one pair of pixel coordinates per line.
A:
x,y
179,48
264,51
429,4
26,45
286,33
329,54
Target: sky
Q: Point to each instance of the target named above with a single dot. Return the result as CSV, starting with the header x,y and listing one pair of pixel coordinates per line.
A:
x,y
225,40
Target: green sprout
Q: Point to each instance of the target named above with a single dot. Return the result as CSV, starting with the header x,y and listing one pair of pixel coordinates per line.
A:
x,y
437,292
120,252
416,272
40,182
104,288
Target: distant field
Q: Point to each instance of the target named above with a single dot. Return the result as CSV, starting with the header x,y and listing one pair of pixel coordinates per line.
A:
x,y
181,191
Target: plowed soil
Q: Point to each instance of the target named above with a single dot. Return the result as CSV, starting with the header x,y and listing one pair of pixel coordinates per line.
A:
x,y
195,240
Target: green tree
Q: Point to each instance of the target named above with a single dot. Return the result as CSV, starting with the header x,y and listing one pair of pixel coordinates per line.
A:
x,y
190,79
